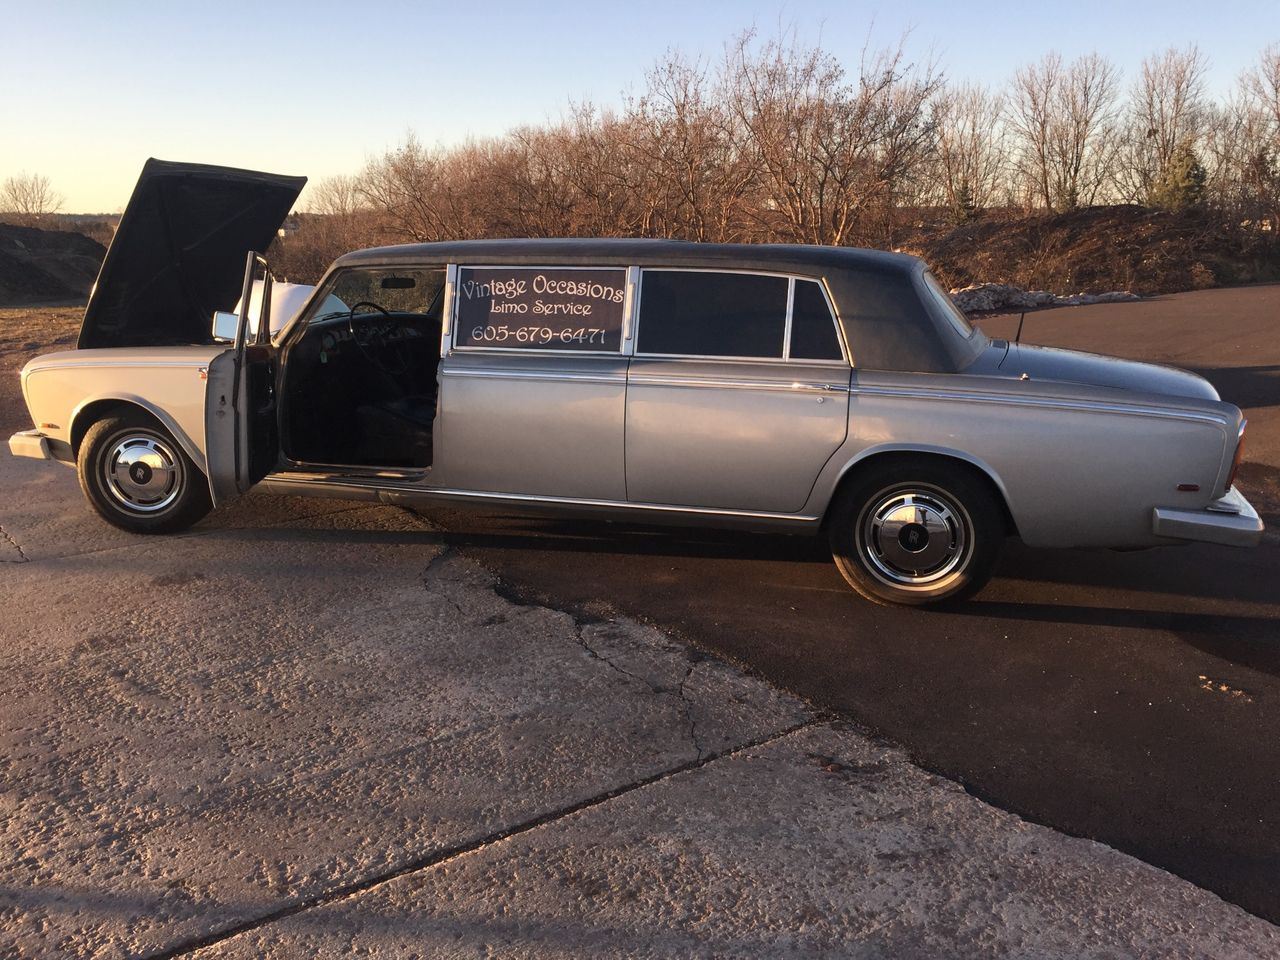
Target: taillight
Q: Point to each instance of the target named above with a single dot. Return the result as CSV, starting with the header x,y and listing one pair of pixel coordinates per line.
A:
x,y
1235,461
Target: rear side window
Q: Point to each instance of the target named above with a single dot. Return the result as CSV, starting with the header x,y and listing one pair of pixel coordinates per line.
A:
x,y
711,314
813,329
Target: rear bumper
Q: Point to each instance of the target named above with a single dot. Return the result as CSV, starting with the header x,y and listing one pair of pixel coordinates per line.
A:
x,y
1230,520
30,443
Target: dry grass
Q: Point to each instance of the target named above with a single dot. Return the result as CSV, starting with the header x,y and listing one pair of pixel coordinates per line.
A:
x,y
27,332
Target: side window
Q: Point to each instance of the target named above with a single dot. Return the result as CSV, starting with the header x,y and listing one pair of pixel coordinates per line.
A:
x,y
540,308
708,314
813,329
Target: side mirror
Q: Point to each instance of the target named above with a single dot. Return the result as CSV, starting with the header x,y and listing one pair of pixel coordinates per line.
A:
x,y
225,326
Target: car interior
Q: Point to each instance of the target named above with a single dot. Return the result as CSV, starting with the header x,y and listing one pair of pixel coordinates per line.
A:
x,y
360,384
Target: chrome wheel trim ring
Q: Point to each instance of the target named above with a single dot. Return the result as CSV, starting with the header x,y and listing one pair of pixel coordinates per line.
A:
x,y
914,537
142,472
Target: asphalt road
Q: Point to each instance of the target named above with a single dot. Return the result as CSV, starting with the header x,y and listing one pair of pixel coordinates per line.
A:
x,y
1133,698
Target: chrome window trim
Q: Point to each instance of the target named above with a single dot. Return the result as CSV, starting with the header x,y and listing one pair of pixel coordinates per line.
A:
x,y
629,314
701,358
454,347
786,325
446,312
1058,403
845,352
792,278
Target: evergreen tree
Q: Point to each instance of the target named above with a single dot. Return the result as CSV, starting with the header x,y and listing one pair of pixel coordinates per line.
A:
x,y
1181,184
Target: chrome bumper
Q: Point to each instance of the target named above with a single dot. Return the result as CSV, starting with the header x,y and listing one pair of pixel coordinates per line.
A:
x,y
30,443
1230,520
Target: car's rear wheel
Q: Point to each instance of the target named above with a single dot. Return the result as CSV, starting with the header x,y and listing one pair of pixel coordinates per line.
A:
x,y
137,477
916,532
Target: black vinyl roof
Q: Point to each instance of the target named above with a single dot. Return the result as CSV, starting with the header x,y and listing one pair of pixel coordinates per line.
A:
x,y
621,252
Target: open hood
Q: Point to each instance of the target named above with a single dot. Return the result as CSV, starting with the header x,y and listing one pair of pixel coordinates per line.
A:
x,y
179,252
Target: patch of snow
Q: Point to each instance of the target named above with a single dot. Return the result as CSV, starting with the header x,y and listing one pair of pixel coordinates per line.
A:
x,y
987,297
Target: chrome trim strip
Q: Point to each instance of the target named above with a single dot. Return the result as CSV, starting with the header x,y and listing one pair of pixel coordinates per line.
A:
x,y
786,327
447,308
532,352
629,308
455,493
499,373
1059,403
193,364
795,386
846,352
716,358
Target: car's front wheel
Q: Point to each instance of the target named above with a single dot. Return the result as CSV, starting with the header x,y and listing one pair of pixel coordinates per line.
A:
x,y
137,477
916,532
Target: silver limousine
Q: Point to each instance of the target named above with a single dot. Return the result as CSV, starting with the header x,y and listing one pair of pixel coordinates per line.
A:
x,y
786,387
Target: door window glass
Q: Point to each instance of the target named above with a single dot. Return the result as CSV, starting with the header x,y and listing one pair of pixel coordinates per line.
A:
x,y
813,329
702,313
540,308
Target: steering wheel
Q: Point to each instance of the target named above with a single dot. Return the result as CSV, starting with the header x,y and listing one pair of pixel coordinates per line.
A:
x,y
373,341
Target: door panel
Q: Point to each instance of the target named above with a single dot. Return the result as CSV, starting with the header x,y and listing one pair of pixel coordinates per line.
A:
x,y
222,437
532,424
736,435
241,432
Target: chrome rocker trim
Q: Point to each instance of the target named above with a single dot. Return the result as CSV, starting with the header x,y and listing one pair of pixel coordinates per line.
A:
x,y
407,494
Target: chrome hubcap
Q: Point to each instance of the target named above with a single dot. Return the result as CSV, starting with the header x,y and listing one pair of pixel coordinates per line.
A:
x,y
914,537
142,472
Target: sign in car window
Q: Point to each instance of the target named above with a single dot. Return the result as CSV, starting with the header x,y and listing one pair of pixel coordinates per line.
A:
x,y
541,309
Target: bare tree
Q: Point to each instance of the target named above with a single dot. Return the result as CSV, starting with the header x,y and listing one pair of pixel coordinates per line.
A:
x,y
826,151
1259,163
1062,118
402,185
969,148
1167,113
1262,87
28,198
338,196
697,180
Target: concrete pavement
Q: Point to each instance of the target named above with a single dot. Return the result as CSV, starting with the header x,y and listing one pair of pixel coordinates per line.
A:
x,y
310,728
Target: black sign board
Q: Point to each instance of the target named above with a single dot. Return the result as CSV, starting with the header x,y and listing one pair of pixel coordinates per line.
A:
x,y
541,309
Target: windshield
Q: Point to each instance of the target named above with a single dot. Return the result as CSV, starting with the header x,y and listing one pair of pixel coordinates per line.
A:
x,y
411,290
948,306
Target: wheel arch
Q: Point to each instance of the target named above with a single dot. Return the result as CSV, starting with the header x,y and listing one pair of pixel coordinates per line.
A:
x,y
883,453
92,410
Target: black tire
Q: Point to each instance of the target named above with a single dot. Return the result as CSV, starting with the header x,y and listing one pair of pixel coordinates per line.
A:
x,y
138,478
916,532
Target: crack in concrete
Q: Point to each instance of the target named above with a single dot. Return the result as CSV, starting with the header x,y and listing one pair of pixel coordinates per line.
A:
x,y
429,574
357,887
655,688
688,710
22,554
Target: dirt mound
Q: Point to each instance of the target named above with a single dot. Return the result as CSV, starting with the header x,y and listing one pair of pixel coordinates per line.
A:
x,y
46,265
1100,249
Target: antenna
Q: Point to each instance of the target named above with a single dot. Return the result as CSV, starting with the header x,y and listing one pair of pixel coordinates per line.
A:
x,y
1018,337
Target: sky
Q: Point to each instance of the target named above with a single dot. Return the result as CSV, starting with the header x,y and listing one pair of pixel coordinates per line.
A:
x,y
89,90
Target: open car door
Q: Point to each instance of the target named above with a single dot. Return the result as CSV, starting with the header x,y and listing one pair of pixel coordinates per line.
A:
x,y
242,442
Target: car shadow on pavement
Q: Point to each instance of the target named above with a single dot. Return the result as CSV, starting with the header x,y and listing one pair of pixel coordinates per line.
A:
x,y
600,537
1247,641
